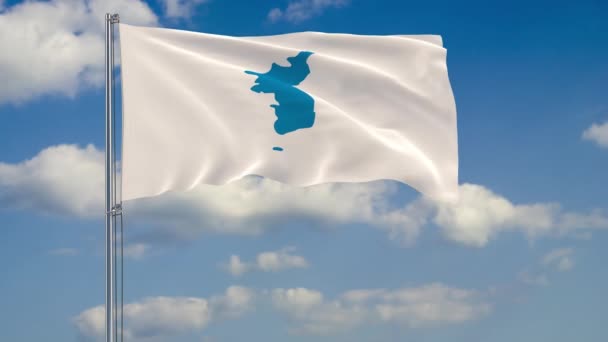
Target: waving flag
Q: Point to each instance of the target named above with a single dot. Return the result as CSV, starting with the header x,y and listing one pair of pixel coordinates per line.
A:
x,y
303,109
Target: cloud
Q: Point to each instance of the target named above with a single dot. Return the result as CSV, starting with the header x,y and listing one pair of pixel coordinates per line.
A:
x,y
275,14
561,259
431,304
235,302
181,8
480,215
255,205
62,179
413,307
272,261
57,47
136,250
302,10
235,266
165,317
280,260
152,317
597,133
310,313
69,180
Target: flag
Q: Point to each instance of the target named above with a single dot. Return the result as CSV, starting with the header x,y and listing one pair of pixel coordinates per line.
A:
x,y
302,108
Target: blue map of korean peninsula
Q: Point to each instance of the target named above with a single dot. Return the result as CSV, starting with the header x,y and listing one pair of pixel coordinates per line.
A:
x,y
295,108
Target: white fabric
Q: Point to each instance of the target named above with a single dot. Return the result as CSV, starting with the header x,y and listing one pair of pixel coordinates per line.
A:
x,y
384,110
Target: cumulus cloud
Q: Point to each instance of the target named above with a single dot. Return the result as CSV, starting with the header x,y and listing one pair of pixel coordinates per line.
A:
x,y
302,10
68,180
135,250
165,317
561,259
309,311
280,260
431,304
312,314
271,261
255,205
57,46
480,215
235,302
181,8
63,179
235,266
597,133
152,317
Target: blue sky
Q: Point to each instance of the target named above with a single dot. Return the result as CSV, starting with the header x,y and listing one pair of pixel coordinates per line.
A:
x,y
520,257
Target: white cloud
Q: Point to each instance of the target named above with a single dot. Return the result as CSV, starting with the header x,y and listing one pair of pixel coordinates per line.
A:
x,y
91,323
430,304
57,46
561,259
64,252
480,215
255,205
296,299
271,261
63,179
68,180
597,133
301,10
311,314
181,8
280,260
152,317
136,250
235,302
235,266
165,317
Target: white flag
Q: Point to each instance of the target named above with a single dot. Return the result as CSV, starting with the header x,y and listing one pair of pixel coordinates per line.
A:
x,y
302,108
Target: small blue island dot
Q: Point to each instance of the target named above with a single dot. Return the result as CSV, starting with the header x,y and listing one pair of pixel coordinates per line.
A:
x,y
276,148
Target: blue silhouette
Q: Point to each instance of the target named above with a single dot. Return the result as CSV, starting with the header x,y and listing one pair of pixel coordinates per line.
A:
x,y
295,108
277,148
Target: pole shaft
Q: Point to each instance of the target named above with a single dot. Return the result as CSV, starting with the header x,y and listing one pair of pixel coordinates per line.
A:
x,y
110,238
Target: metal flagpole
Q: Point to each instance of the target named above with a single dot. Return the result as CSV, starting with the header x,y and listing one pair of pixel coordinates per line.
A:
x,y
110,185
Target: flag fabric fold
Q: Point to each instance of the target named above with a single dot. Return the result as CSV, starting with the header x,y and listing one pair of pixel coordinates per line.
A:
x,y
302,108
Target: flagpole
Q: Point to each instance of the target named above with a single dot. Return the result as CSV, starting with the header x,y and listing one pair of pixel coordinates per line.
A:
x,y
110,179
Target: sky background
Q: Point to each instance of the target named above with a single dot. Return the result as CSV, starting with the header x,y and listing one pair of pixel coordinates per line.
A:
x,y
521,256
